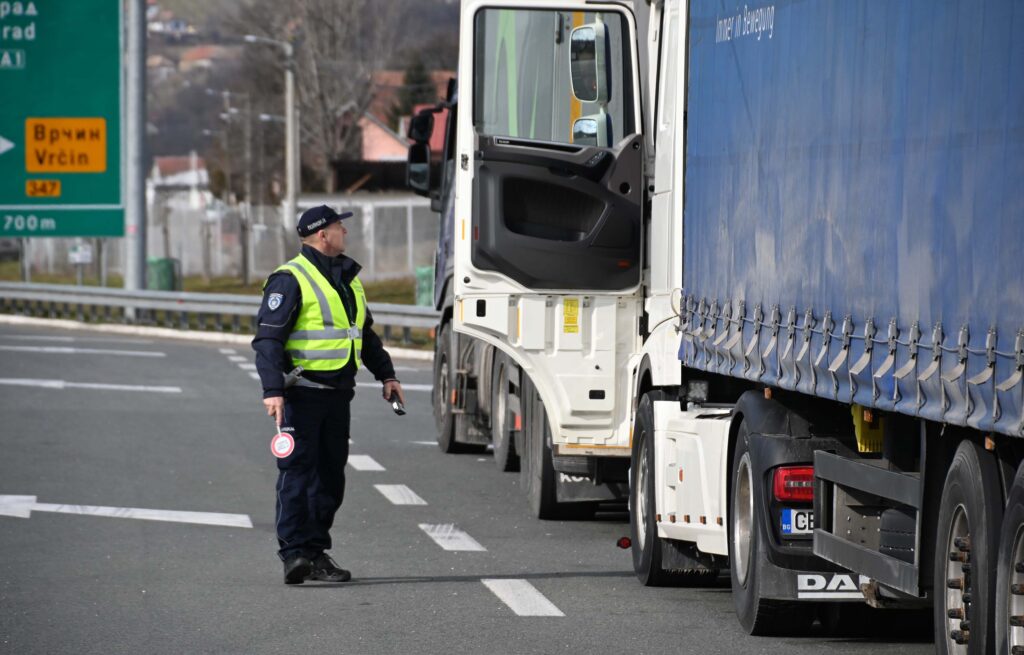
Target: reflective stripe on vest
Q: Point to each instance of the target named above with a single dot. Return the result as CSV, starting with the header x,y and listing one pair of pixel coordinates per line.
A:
x,y
323,337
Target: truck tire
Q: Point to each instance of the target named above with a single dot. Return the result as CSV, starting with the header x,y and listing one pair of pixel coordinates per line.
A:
x,y
441,393
647,547
757,615
536,472
505,457
1010,571
967,533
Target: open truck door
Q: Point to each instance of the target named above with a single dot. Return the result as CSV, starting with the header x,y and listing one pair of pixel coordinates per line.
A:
x,y
549,206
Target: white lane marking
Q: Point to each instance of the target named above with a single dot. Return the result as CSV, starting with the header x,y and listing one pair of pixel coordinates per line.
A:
x,y
425,443
62,350
247,367
40,337
254,376
227,351
522,597
405,387
399,494
61,384
238,358
23,506
364,463
449,537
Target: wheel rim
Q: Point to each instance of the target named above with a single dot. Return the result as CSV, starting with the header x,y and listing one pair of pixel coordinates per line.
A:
x,y
442,383
958,582
1015,608
641,495
743,520
500,400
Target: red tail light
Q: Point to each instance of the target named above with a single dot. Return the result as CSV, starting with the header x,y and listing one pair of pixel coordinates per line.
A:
x,y
794,483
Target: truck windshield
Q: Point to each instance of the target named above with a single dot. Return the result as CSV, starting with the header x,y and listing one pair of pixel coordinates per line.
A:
x,y
523,83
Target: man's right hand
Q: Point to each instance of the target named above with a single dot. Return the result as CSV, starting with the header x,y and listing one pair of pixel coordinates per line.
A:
x,y
275,408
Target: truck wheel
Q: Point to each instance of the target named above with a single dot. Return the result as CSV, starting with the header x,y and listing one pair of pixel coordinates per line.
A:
x,y
643,509
757,615
441,394
505,456
537,473
1010,573
648,562
967,534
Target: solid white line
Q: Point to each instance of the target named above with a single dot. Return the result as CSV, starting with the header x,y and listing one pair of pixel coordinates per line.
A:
x,y
201,518
183,335
522,597
247,367
62,350
227,351
449,537
237,358
364,463
399,494
405,387
34,337
61,384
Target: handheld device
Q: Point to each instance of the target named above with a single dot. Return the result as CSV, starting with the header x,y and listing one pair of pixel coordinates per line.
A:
x,y
396,404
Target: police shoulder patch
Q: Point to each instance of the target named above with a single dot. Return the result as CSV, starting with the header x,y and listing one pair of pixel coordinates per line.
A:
x,y
274,300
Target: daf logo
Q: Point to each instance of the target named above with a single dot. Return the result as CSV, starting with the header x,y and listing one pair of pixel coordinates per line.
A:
x,y
835,585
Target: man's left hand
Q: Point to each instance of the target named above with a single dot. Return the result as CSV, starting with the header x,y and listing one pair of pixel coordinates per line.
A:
x,y
395,386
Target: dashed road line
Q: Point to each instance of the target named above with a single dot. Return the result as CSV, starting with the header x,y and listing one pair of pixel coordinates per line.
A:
x,y
364,463
425,443
63,350
227,351
449,537
254,375
522,597
399,494
247,367
62,384
238,358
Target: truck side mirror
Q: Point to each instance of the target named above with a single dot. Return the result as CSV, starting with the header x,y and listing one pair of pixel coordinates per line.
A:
x,y
588,63
417,170
421,126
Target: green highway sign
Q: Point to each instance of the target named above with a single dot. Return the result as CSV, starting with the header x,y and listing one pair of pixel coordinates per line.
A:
x,y
61,141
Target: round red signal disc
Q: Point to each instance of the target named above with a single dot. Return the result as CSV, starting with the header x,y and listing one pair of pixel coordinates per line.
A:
x,y
282,445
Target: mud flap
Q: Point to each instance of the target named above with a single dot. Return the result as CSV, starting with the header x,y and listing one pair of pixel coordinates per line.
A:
x,y
778,583
571,488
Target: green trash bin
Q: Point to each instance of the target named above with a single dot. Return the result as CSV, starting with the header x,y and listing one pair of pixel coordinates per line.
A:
x,y
425,286
163,274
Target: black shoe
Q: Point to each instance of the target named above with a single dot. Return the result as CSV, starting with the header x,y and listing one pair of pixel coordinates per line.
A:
x,y
297,569
325,570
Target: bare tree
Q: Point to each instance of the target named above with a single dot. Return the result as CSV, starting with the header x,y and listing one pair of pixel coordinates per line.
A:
x,y
338,46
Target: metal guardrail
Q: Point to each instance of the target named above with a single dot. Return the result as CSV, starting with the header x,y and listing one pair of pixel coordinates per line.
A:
x,y
176,309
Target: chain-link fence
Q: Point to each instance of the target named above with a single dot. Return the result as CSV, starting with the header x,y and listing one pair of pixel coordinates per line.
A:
x,y
390,235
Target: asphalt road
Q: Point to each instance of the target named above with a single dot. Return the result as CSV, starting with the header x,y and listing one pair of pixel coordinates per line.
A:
x,y
197,440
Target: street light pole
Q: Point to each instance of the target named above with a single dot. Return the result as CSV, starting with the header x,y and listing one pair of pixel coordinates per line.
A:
x,y
291,130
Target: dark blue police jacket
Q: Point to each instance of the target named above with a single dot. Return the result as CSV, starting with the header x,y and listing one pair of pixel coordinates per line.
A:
x,y
274,326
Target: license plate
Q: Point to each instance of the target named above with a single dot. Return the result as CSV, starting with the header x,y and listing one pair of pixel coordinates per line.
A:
x,y
797,521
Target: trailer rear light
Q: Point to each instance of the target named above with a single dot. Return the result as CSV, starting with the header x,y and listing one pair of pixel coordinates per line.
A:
x,y
794,484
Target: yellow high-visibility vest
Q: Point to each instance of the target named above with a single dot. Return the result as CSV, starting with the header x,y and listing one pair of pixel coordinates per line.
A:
x,y
323,338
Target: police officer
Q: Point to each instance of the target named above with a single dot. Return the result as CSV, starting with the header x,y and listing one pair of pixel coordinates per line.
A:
x,y
314,316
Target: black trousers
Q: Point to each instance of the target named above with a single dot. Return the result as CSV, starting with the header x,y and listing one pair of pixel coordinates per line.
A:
x,y
311,481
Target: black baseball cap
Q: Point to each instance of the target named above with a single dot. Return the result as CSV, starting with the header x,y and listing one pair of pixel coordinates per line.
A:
x,y
317,218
